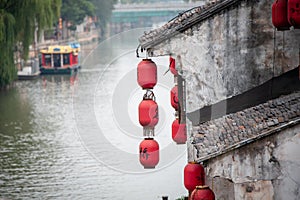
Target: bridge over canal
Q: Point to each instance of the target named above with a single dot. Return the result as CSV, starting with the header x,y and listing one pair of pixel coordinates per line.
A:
x,y
129,16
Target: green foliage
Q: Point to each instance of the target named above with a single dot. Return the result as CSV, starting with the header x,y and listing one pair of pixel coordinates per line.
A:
x,y
75,11
34,14
103,11
18,21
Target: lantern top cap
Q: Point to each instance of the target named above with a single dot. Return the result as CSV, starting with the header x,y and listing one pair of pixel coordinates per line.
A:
x,y
149,138
147,59
193,162
201,187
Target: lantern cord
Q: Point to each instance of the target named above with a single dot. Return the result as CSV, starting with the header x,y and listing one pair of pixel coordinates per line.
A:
x,y
274,50
176,114
146,54
169,67
167,71
137,51
193,151
149,95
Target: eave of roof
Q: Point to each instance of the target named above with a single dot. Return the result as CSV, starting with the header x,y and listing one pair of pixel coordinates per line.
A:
x,y
216,137
184,21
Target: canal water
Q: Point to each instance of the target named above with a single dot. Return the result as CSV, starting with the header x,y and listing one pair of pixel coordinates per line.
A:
x,y
77,137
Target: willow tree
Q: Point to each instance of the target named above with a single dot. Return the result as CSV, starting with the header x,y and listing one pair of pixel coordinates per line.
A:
x,y
74,11
18,21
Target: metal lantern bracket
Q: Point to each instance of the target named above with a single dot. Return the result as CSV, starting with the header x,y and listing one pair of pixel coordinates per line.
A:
x,y
149,95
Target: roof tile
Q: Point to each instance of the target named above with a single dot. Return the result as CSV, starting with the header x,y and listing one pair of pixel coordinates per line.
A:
x,y
218,136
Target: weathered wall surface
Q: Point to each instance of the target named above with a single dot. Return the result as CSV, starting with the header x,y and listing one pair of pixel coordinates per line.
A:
x,y
266,169
224,56
231,53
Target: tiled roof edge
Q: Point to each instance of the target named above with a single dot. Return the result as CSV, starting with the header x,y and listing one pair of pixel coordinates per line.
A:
x,y
249,140
184,21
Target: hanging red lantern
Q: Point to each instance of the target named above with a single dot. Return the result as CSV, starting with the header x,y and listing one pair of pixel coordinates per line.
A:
x,y
202,193
279,15
173,66
174,97
149,153
293,13
179,132
147,74
148,113
194,175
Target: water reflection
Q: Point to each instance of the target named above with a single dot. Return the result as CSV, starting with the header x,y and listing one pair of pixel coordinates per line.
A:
x,y
58,79
13,102
51,130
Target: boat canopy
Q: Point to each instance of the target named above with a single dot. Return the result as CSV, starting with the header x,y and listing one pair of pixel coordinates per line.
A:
x,y
60,50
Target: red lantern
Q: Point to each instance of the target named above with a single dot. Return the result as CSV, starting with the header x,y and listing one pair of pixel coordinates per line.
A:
x,y
174,97
147,74
293,13
148,113
202,193
172,66
149,153
279,15
179,132
194,175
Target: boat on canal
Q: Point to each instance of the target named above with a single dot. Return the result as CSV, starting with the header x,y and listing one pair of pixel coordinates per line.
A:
x,y
60,59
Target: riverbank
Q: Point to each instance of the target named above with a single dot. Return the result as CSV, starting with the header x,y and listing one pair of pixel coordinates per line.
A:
x,y
82,38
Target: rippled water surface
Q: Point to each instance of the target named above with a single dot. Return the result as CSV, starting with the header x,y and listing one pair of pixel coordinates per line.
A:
x,y
77,137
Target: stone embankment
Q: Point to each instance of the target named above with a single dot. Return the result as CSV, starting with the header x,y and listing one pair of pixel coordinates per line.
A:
x,y
82,38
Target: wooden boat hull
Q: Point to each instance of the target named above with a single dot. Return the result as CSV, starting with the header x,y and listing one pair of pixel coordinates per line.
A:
x,y
58,70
